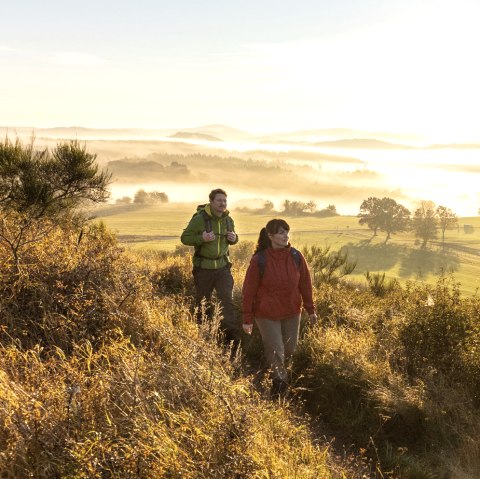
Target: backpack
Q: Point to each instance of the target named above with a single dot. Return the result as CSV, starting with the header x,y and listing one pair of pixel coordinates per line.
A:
x,y
208,225
262,259
208,220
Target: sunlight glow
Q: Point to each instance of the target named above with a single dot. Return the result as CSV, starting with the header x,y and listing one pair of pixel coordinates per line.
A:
x,y
379,67
76,59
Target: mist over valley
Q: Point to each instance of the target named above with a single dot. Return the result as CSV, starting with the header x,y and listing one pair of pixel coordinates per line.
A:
x,y
328,166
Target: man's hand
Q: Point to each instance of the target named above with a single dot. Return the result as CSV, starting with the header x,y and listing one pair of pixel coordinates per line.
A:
x,y
208,236
313,319
247,328
231,236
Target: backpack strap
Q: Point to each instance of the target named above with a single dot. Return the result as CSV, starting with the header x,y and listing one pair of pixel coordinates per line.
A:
x,y
208,221
297,257
208,226
262,259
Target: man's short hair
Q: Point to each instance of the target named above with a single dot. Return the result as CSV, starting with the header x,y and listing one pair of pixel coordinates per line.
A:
x,y
217,191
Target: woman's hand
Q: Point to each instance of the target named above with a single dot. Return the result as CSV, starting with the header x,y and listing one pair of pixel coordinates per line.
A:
x,y
247,328
313,319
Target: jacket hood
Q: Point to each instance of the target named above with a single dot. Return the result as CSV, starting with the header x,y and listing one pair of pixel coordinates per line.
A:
x,y
208,209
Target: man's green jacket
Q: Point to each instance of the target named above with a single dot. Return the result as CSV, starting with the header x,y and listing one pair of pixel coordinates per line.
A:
x,y
209,254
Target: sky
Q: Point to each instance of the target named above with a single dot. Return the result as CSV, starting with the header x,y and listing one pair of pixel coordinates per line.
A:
x,y
407,66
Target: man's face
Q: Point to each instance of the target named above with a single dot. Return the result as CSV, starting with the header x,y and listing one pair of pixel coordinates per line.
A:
x,y
218,204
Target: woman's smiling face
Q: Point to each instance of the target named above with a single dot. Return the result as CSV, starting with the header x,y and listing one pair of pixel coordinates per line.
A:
x,y
280,238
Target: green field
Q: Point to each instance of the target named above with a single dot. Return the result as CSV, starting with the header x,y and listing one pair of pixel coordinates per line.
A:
x,y
159,228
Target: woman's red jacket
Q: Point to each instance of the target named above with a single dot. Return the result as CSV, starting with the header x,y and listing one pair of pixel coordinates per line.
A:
x,y
282,289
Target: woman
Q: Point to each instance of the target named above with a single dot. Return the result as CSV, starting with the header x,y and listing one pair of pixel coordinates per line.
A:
x,y
276,285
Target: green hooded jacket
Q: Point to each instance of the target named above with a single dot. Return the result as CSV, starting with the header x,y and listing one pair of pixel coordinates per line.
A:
x,y
209,254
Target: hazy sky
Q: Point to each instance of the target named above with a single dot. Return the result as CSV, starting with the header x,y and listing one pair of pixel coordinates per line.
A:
x,y
263,65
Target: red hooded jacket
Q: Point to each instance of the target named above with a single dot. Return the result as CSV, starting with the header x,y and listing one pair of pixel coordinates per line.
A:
x,y
282,289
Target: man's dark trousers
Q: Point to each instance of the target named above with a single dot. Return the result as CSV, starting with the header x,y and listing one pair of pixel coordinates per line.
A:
x,y
220,280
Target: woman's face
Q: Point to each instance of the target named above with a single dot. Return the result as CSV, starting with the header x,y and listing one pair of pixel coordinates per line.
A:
x,y
279,239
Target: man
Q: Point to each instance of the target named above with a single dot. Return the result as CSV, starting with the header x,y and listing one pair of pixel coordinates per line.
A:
x,y
211,231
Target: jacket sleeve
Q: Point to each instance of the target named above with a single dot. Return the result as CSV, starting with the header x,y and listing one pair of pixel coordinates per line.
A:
x,y
192,234
249,290
305,287
233,229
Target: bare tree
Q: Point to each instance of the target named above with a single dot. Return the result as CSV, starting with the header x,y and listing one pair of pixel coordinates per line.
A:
x,y
447,219
370,214
311,206
268,206
425,222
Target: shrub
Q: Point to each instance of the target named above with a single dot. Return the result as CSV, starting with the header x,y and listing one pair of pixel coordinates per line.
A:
x,y
40,183
173,275
327,267
351,373
68,287
377,284
242,252
436,328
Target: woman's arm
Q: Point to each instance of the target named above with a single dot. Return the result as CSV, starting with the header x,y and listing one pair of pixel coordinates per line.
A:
x,y
305,287
249,290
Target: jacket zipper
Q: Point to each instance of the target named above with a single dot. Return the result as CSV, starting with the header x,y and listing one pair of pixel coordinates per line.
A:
x,y
218,240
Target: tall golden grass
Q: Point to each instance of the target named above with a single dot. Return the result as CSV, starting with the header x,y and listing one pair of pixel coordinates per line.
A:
x,y
103,374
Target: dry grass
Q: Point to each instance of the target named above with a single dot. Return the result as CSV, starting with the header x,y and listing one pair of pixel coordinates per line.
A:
x,y
413,413
104,374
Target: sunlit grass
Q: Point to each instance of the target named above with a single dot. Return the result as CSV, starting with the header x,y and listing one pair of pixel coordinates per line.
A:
x,y
104,373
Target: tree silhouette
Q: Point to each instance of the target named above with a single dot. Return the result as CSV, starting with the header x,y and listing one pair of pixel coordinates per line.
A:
x,y
370,214
384,214
40,189
394,217
41,183
267,206
311,206
294,208
425,222
446,219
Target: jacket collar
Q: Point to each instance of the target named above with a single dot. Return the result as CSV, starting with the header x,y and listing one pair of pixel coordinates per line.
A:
x,y
208,209
279,251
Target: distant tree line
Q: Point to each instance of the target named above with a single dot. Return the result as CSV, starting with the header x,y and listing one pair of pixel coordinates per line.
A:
x,y
294,208
385,214
134,168
143,197
299,208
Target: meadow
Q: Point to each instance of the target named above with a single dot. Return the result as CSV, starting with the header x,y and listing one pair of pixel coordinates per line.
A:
x,y
157,228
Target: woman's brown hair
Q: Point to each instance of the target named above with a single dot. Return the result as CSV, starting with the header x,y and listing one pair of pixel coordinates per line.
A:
x,y
272,227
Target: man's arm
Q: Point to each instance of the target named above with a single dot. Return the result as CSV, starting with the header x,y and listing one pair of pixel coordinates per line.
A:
x,y
192,234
